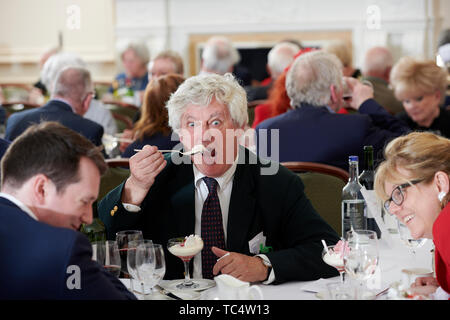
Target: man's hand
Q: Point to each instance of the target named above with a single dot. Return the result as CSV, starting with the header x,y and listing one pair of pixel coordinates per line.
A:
x,y
360,92
144,167
240,266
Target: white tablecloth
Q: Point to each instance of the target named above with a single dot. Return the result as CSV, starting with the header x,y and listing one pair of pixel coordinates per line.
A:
x,y
394,257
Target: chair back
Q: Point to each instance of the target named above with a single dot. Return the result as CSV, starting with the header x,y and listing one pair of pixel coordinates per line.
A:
x,y
117,172
17,106
323,187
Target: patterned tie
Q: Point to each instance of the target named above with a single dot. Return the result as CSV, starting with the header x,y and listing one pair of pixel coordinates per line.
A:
x,y
212,228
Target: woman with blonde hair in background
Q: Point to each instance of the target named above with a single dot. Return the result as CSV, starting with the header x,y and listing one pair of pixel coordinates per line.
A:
x,y
421,86
413,182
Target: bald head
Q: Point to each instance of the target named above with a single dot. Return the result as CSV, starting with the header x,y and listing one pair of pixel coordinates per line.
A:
x,y
378,63
280,57
73,84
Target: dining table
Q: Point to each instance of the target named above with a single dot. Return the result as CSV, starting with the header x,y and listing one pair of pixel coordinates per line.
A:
x,y
394,256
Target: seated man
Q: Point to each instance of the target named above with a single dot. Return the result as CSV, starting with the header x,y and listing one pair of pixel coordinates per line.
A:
x,y
4,144
50,178
71,96
225,195
312,130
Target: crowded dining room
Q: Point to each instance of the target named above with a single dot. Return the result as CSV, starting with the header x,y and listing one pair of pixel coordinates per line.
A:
x,y
239,157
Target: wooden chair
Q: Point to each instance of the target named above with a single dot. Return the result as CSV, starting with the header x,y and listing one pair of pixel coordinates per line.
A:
x,y
17,106
323,187
123,122
15,91
117,172
118,107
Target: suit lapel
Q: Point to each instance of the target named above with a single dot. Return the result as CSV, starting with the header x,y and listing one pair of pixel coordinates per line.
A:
x,y
241,213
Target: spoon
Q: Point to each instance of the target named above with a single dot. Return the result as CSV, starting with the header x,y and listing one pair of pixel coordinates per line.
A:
x,y
199,148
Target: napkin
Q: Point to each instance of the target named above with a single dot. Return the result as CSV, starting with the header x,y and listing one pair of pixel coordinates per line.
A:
x,y
318,285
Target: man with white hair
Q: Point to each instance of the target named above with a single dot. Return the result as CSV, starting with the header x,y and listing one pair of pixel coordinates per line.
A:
x,y
224,194
278,59
377,67
219,56
312,130
97,112
71,95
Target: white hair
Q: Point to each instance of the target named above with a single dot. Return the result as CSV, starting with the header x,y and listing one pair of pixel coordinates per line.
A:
x,y
140,49
219,55
72,82
310,77
201,90
280,57
55,64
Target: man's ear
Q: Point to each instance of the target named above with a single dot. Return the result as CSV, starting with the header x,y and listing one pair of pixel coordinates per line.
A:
x,y
87,103
333,95
40,188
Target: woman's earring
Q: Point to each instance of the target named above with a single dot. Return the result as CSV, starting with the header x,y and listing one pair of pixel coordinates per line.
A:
x,y
441,195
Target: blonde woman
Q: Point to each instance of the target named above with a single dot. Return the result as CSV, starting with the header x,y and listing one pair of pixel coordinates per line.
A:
x,y
420,86
413,182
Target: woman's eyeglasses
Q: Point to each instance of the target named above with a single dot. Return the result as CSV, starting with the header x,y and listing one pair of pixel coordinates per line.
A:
x,y
397,195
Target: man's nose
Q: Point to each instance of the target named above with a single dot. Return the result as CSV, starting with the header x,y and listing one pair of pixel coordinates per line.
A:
x,y
87,217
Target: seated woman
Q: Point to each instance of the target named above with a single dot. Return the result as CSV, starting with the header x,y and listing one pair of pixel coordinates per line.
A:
x,y
129,85
420,86
152,127
413,182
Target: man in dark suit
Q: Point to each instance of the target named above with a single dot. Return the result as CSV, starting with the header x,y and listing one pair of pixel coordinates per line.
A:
x,y
71,96
50,179
312,130
377,67
255,206
4,144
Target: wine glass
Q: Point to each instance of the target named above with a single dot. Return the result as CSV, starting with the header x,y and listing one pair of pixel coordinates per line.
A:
x,y
185,253
107,254
150,263
408,240
131,261
123,238
361,259
335,259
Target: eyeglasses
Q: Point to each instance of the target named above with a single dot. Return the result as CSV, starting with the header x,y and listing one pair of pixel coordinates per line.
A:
x,y
397,195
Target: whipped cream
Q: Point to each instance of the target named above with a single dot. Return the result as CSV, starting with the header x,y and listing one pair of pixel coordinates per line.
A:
x,y
333,259
198,148
190,247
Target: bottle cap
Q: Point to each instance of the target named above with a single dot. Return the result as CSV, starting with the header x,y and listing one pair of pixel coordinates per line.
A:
x,y
368,148
353,158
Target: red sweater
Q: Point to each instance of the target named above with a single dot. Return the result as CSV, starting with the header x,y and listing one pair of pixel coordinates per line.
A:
x,y
441,239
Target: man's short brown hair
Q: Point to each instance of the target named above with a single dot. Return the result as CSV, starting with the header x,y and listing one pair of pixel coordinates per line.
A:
x,y
51,149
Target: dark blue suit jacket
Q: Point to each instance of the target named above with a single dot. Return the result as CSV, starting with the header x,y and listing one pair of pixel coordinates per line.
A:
x,y
314,134
35,258
4,144
54,110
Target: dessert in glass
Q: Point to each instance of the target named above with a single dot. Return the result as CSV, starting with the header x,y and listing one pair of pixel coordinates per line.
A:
x,y
334,256
186,248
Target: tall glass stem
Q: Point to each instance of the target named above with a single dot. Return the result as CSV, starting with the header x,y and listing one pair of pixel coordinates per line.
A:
x,y
187,277
342,276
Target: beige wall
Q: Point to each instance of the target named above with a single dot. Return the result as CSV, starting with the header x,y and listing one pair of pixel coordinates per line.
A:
x,y
30,28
